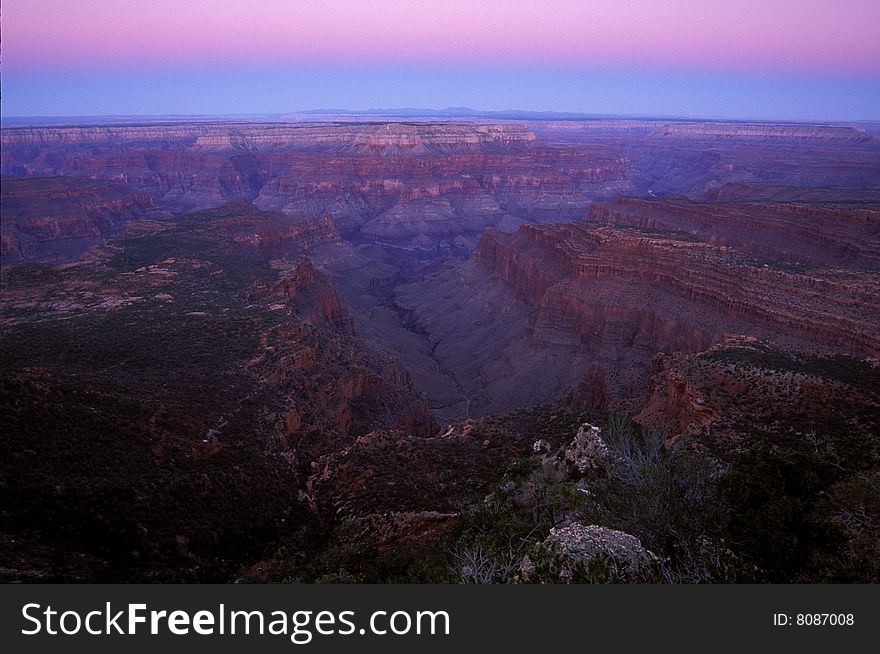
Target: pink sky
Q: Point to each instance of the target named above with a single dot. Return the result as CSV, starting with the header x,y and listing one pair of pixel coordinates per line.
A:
x,y
757,36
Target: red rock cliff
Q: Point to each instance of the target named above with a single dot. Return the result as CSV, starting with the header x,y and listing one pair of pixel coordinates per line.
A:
x,y
587,274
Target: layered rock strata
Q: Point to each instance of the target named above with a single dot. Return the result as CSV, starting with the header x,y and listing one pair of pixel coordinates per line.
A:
x,y
56,218
532,313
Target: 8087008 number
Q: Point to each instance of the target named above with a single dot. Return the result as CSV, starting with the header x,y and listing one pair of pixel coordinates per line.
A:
x,y
821,619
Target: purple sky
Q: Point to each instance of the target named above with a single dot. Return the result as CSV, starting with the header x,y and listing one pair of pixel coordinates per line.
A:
x,y
798,59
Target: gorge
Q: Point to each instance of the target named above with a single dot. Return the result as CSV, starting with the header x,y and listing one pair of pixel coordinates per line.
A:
x,y
263,343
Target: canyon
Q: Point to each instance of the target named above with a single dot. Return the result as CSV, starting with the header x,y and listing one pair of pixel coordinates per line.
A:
x,y
575,298
56,218
273,343
414,186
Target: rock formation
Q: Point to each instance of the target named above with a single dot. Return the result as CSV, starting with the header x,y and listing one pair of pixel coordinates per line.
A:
x,y
820,234
745,380
588,451
577,548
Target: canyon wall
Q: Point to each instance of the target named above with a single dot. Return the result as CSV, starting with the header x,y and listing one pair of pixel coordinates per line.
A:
x,y
428,187
531,313
595,263
821,234
765,161
56,218
386,138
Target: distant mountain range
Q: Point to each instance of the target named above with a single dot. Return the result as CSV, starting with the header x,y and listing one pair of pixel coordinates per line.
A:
x,y
359,115
461,112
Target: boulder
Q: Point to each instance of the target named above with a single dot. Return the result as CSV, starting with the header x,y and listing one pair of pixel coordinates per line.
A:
x,y
623,555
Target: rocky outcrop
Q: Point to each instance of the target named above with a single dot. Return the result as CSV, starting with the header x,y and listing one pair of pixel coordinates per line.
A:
x,y
580,553
301,286
743,379
273,235
352,388
675,401
588,452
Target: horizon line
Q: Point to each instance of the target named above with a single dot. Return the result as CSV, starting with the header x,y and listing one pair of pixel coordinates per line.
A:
x,y
415,112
